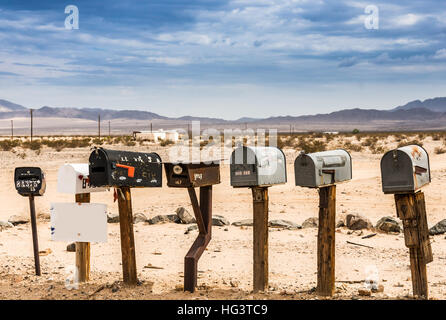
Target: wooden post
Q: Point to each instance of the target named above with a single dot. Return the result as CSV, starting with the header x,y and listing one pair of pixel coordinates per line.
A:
x,y
411,209
83,248
127,236
260,246
32,208
326,241
203,215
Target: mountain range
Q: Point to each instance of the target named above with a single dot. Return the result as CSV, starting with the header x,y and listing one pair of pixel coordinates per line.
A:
x,y
427,112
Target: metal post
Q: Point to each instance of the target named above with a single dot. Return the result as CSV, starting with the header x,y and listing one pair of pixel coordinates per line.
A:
x,y
203,215
34,233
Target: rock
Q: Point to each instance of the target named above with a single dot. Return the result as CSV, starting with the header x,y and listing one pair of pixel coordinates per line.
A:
x,y
139,217
284,224
112,217
357,222
388,224
71,247
5,225
191,228
184,216
380,288
163,219
340,223
439,228
244,223
364,292
16,220
219,221
311,223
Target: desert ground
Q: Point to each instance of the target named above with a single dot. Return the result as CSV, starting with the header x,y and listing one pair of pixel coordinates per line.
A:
x,y
225,269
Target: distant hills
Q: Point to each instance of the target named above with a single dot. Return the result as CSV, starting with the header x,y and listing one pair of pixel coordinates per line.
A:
x,y
428,114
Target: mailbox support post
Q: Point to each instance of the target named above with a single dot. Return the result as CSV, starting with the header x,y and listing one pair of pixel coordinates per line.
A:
x,y
83,248
203,215
127,236
326,241
32,208
260,232
411,209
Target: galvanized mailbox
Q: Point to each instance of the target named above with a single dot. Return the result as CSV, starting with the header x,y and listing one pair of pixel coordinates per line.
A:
x,y
405,170
185,175
73,178
113,168
29,181
314,170
257,166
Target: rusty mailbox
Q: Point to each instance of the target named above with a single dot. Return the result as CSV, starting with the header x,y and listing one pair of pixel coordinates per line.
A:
x,y
190,176
405,170
29,181
113,168
257,166
314,170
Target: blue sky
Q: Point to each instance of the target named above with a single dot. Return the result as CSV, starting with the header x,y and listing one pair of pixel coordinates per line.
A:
x,y
225,59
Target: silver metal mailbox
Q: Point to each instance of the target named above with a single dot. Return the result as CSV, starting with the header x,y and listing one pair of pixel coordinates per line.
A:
x,y
73,178
314,170
405,169
257,166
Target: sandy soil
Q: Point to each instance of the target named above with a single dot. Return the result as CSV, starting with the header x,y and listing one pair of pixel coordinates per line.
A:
x,y
225,269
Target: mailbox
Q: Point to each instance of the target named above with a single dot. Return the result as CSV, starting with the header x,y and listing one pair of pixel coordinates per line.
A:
x,y
405,170
185,175
314,170
29,181
113,168
257,166
73,178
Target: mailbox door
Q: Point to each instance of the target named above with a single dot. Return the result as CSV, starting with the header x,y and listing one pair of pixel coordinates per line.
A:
x,y
29,181
305,171
271,166
179,179
243,168
204,175
397,172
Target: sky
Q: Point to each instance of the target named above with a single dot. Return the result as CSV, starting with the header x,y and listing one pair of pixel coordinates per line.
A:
x,y
226,59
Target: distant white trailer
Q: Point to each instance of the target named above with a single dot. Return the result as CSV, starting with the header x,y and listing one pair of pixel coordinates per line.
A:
x,y
157,135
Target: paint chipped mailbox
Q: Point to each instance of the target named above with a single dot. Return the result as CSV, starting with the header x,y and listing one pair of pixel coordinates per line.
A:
x,y
29,181
113,168
319,169
185,175
257,166
405,170
73,179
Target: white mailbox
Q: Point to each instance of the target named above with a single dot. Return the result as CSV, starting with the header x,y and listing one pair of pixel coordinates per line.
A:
x,y
80,222
73,178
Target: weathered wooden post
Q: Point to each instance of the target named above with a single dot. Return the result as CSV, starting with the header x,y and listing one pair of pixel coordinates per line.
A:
x,y
403,172
258,168
30,182
323,170
191,176
73,179
124,170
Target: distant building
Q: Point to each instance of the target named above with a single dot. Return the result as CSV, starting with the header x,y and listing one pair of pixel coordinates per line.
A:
x,y
331,132
157,135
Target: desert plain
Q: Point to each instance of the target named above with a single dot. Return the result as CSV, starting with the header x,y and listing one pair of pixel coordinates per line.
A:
x,y
225,269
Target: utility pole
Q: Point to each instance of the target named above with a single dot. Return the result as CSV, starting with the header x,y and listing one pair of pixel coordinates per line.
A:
x,y
99,126
31,111
109,129
12,129
151,127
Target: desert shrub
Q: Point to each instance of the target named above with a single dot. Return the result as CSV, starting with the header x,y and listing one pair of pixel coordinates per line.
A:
x,y
355,131
7,145
369,142
311,146
352,147
407,143
97,141
436,137
33,145
168,142
440,150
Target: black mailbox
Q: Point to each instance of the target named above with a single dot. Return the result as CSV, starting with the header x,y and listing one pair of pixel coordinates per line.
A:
x,y
114,168
185,175
29,181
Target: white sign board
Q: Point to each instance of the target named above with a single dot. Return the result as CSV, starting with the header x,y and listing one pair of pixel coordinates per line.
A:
x,y
80,222
73,178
